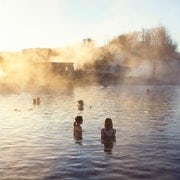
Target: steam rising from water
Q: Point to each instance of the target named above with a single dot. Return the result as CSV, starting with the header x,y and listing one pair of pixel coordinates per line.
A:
x,y
23,71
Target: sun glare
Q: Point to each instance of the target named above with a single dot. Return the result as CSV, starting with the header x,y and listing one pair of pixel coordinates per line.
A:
x,y
2,73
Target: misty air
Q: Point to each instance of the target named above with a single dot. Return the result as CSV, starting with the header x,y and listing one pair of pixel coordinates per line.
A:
x,y
89,89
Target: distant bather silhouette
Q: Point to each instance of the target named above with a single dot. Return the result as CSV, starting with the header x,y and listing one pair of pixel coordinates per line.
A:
x,y
77,128
80,105
36,101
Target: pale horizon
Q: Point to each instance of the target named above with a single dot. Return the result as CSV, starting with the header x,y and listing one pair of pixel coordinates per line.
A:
x,y
59,23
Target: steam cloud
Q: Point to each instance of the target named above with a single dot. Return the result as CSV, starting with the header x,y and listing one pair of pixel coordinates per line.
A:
x,y
23,70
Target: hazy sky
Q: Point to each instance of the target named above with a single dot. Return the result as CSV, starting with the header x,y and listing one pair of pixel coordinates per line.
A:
x,y
57,23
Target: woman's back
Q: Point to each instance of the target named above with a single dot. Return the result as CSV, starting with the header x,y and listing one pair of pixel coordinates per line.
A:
x,y
108,133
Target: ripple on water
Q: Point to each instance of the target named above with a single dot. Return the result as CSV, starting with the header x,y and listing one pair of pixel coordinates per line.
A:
x,y
39,143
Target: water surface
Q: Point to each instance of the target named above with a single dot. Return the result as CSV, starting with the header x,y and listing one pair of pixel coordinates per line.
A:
x,y
36,142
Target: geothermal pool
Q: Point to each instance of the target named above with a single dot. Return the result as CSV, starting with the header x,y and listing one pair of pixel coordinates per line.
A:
x,y
36,142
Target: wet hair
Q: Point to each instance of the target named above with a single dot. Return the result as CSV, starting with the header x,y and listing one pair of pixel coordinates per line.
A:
x,y
108,123
81,102
78,120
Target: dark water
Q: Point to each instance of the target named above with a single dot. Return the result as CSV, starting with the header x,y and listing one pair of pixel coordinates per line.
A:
x,y
36,142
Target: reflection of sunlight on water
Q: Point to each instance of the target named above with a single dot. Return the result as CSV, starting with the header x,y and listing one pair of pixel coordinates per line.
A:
x,y
38,142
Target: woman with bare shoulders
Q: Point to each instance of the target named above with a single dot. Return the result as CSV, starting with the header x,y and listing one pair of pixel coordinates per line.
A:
x,y
108,135
108,132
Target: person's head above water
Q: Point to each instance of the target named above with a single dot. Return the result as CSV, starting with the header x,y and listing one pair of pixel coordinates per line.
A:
x,y
108,123
78,120
81,102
